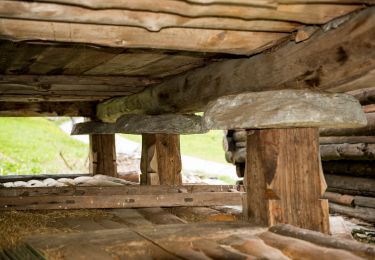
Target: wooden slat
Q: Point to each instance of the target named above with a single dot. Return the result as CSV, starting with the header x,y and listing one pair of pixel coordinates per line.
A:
x,y
147,20
121,201
312,13
345,48
219,41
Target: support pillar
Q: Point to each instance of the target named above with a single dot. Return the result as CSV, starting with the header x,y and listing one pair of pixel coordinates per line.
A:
x,y
284,178
161,159
103,154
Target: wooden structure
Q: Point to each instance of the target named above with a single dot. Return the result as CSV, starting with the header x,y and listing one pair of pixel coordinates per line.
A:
x,y
140,60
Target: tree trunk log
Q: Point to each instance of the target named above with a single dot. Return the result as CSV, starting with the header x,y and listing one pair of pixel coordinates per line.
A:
x,y
346,200
350,185
353,168
103,155
345,151
367,214
284,179
347,139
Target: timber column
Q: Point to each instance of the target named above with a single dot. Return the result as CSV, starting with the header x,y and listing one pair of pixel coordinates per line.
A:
x,y
284,181
102,155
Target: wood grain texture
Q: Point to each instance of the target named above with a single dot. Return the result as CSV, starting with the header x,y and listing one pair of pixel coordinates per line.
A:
x,y
359,151
161,159
102,155
345,48
218,41
284,179
351,185
347,139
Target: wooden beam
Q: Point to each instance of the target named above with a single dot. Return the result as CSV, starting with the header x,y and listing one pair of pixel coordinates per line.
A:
x,y
361,151
347,139
345,48
284,180
351,185
284,109
201,40
85,109
141,124
161,159
102,154
121,201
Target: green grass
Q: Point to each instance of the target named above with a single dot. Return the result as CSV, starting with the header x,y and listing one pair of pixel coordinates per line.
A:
x,y
37,145
206,146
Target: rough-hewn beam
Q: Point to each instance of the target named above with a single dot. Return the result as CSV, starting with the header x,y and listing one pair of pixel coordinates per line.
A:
x,y
140,124
284,109
103,155
325,61
85,109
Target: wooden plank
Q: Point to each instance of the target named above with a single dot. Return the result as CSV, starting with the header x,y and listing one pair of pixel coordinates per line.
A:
x,y
368,130
102,155
284,179
85,109
347,139
141,124
161,159
310,14
121,201
130,217
284,109
286,68
351,185
116,190
218,41
160,216
148,20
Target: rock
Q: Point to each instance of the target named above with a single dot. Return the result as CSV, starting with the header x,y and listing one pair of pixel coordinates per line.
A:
x,y
66,181
35,183
19,184
283,109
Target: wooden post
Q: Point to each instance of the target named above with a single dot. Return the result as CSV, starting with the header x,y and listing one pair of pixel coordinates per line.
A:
x,y
161,159
103,154
285,179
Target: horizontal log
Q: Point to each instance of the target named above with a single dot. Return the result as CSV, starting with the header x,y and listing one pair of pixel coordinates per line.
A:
x,y
368,130
365,96
350,167
200,40
350,185
368,202
115,190
85,109
369,108
283,109
347,200
310,14
153,22
121,201
345,151
140,124
285,67
347,139
355,247
367,214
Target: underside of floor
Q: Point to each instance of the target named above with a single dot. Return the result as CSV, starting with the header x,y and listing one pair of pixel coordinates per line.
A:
x,y
163,233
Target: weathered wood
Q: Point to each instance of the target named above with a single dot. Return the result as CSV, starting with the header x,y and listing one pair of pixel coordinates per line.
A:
x,y
284,109
367,202
218,41
339,198
161,159
195,214
347,139
286,68
160,216
148,20
367,214
121,201
365,96
353,168
347,152
102,155
284,179
311,14
368,130
350,185
116,190
357,248
85,109
141,124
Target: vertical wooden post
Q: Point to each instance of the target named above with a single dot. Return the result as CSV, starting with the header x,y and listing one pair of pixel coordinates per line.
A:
x,y
161,159
285,178
103,154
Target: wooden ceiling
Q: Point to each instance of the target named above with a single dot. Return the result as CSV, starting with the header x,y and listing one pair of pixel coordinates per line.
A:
x,y
91,50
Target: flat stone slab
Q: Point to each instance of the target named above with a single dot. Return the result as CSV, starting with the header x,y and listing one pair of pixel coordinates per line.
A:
x,y
284,109
142,124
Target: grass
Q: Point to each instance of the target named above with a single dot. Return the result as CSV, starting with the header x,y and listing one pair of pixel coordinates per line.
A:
x,y
37,145
206,146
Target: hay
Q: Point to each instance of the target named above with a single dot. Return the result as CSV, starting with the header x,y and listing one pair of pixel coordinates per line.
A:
x,y
16,225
